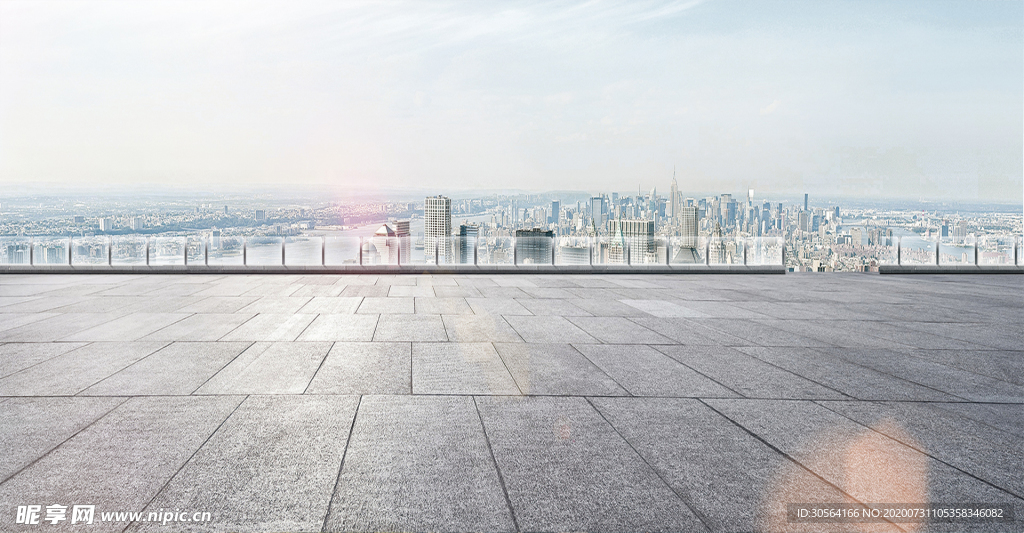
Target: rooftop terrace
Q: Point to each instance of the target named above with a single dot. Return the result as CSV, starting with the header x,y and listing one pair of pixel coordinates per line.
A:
x,y
507,402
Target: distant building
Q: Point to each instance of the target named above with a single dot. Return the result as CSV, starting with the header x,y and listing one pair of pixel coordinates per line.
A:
x,y
79,219
437,227
805,202
533,246
261,215
385,247
638,235
555,212
106,224
138,223
404,240
468,235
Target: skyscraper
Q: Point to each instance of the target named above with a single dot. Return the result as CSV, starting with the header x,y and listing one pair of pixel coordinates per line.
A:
x,y
805,201
638,235
688,225
437,227
468,234
533,246
555,208
402,234
597,211
674,200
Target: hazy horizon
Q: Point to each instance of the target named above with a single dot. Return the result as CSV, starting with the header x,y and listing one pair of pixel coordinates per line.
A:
x,y
908,100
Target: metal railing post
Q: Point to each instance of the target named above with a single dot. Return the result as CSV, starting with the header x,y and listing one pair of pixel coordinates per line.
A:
x,y
323,250
938,247
110,251
552,251
899,251
206,251
245,251
147,251
743,243
668,252
515,251
707,252
70,248
360,251
437,254
284,240
186,251
31,253
590,246
476,251
975,251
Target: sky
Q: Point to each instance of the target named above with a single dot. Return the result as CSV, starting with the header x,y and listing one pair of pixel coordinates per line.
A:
x,y
894,99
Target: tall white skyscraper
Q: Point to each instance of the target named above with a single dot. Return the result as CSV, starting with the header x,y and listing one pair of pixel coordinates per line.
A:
x,y
437,227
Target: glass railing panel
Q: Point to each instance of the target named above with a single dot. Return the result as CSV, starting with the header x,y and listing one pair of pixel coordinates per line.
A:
x,y
14,250
381,250
50,250
724,251
166,251
225,250
89,250
572,250
533,250
128,250
764,251
496,250
412,250
303,250
956,252
341,250
461,251
263,250
996,249
686,250
195,247
643,251
917,250
609,250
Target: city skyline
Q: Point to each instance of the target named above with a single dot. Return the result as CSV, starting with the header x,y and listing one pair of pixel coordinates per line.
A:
x,y
907,100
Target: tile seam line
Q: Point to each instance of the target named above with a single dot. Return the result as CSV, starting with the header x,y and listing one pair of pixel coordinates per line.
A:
x,y
926,454
213,375
497,469
189,460
143,358
507,370
344,454
719,383
318,367
232,330
894,376
51,450
700,516
44,360
790,458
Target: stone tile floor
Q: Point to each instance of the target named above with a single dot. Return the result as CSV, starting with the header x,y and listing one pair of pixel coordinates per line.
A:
x,y
508,402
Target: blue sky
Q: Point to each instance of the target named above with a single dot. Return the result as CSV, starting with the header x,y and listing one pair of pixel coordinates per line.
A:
x,y
894,99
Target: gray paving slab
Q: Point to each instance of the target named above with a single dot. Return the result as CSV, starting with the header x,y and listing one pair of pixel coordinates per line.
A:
x,y
218,304
271,327
1006,336
38,304
127,328
960,383
271,466
841,375
618,330
687,332
369,291
555,370
1001,364
376,305
863,462
76,370
418,464
553,307
119,462
55,327
1004,416
842,333
344,327
963,442
459,368
720,470
15,320
417,291
269,368
33,426
442,306
204,327
479,328
456,292
566,469
644,371
753,333
547,329
410,328
16,356
320,291
497,306
365,368
663,308
179,368
503,292
606,307
748,375
276,289
276,304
